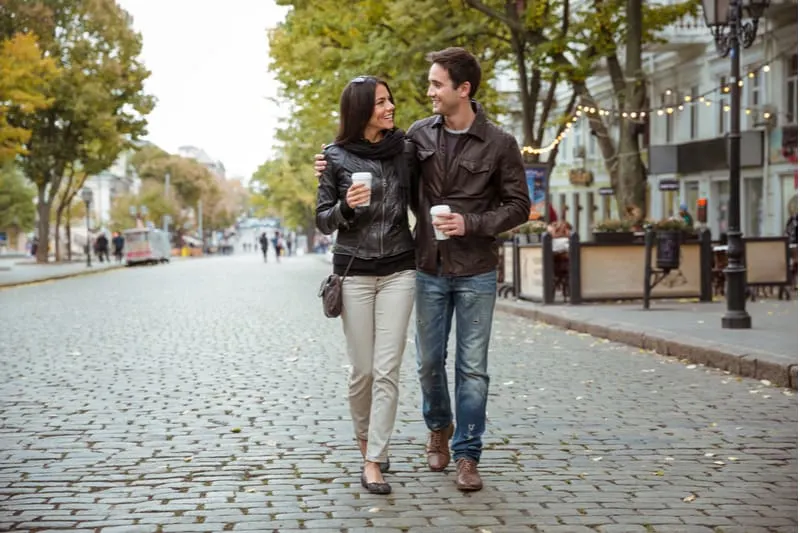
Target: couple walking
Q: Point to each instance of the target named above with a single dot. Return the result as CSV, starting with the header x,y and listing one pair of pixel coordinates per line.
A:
x,y
369,178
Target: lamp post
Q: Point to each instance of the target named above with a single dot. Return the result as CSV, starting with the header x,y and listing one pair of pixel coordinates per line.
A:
x,y
731,34
138,213
86,196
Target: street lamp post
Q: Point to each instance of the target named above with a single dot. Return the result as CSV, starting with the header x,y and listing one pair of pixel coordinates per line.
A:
x,y
86,196
731,33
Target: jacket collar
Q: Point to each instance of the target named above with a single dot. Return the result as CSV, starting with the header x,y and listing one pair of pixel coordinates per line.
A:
x,y
478,127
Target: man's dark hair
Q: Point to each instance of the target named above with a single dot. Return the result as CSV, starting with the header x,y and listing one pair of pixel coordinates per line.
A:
x,y
460,65
356,106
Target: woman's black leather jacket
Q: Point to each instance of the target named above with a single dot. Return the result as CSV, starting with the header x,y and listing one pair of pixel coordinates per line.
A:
x,y
382,228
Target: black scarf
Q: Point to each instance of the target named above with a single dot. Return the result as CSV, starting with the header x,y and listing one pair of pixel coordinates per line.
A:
x,y
392,146
389,147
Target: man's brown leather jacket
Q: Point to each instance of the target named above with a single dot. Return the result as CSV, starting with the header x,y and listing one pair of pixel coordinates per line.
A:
x,y
485,183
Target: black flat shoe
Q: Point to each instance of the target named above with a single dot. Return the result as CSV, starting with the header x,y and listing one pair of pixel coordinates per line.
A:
x,y
385,466
375,488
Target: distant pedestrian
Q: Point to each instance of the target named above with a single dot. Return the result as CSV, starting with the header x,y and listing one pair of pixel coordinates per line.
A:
x,y
118,242
280,244
685,216
101,248
264,243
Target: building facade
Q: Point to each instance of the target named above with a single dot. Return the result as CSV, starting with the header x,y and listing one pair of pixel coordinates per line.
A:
x,y
683,139
118,180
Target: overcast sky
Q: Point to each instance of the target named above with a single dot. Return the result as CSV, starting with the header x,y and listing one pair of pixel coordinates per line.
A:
x,y
209,60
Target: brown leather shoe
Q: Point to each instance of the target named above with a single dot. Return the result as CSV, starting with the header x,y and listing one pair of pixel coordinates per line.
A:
x,y
438,448
467,476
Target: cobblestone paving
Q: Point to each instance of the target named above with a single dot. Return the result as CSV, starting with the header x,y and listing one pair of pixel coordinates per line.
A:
x,y
209,396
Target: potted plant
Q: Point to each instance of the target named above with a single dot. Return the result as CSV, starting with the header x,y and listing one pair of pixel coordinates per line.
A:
x,y
505,236
669,235
613,230
531,232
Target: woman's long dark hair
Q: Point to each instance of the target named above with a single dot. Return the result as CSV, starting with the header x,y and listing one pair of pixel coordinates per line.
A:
x,y
356,106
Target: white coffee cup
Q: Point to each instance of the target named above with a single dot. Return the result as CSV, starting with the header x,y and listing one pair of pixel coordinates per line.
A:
x,y
436,211
364,178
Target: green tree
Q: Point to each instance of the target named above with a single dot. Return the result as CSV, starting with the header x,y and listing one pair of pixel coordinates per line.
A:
x,y
551,42
98,100
17,210
323,44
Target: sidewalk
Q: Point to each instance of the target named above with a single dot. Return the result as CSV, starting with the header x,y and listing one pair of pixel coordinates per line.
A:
x,y
689,331
23,271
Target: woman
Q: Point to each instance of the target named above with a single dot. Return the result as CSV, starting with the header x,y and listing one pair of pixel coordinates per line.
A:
x,y
374,250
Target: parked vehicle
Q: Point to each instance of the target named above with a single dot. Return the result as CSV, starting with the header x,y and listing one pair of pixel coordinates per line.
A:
x,y
144,245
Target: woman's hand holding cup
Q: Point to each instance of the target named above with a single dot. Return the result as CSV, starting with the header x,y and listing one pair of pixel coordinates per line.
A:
x,y
357,195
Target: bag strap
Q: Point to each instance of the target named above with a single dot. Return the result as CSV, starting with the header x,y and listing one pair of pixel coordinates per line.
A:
x,y
358,246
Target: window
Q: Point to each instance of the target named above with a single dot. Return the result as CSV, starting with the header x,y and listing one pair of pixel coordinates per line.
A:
x,y
791,90
693,112
754,84
723,108
754,96
666,101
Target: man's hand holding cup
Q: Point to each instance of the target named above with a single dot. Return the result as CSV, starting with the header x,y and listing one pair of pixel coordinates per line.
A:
x,y
445,223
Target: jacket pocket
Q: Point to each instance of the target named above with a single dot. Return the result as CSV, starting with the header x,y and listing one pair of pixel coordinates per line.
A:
x,y
474,179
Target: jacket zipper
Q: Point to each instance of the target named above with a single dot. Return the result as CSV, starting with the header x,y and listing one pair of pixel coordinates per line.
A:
x,y
383,205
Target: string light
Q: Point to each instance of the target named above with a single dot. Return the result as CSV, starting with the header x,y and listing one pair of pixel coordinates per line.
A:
x,y
555,142
586,111
669,109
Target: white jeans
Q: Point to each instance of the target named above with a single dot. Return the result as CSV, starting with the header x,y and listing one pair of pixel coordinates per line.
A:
x,y
375,314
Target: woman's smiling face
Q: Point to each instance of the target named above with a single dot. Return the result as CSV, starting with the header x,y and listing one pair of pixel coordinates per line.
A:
x,y
383,113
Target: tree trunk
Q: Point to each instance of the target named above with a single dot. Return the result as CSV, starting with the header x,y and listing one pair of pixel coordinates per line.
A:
x,y
68,224
632,174
44,223
57,237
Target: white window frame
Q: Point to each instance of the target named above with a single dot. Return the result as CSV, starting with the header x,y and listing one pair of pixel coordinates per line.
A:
x,y
791,90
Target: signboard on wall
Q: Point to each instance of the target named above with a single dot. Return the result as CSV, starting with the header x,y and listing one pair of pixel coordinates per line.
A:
x,y
536,178
669,185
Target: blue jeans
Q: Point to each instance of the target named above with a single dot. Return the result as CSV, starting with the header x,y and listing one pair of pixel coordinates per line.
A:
x,y
472,299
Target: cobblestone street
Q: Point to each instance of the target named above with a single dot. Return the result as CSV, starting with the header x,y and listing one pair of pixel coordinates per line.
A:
x,y
209,396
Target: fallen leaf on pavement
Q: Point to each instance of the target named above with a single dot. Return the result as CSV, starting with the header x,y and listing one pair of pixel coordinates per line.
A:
x,y
709,454
595,459
734,459
690,498
508,383
374,510
236,430
187,459
691,367
766,382
720,463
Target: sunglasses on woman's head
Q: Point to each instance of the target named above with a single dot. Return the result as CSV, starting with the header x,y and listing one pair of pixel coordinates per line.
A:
x,y
361,79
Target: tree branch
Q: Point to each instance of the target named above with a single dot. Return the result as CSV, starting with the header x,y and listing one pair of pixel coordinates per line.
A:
x,y
617,79
395,33
548,105
551,158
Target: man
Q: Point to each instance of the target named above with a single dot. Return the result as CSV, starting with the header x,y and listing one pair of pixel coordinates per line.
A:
x,y
119,244
264,242
472,166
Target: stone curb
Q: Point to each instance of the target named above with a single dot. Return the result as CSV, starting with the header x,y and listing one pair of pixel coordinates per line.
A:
x,y
56,277
749,363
